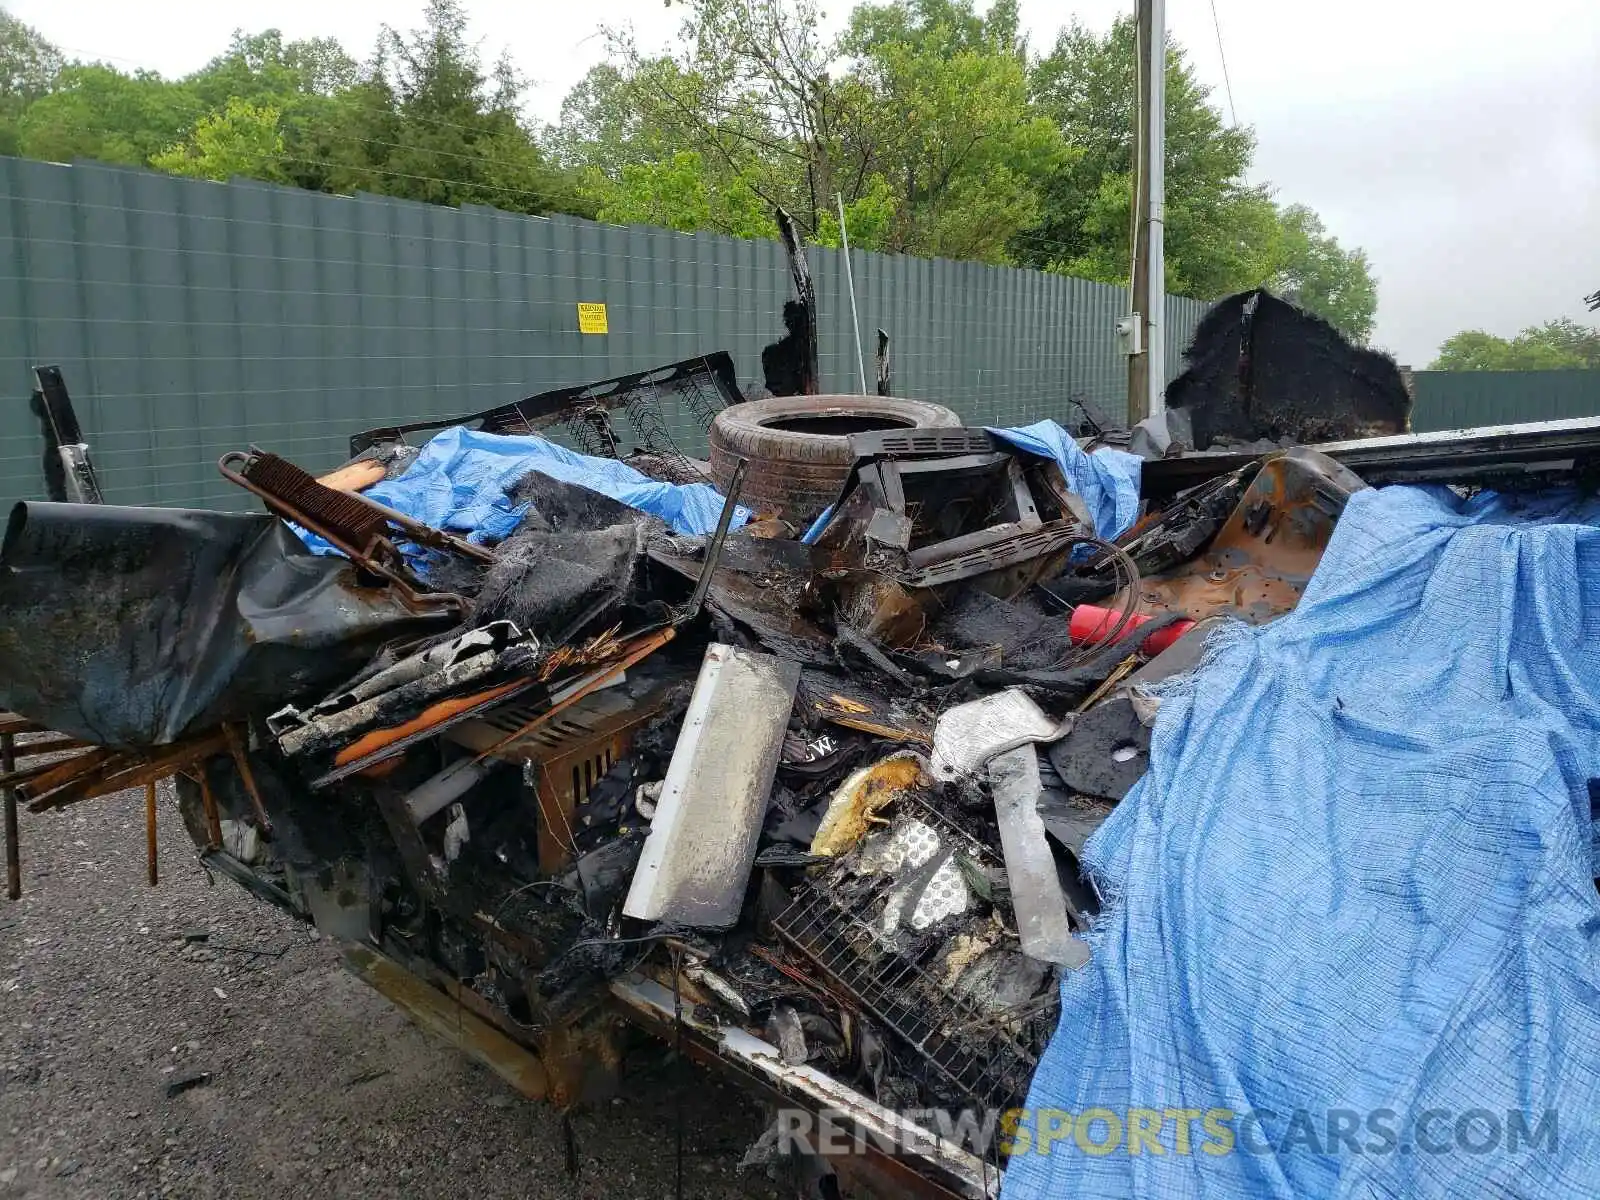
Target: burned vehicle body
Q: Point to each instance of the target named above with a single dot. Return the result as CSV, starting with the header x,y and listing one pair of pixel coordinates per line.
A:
x,y
810,808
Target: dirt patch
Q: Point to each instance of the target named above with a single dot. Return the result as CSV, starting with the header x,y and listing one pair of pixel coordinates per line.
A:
x,y
318,1085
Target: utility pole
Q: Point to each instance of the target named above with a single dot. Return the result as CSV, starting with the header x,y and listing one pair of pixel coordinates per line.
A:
x,y
1145,335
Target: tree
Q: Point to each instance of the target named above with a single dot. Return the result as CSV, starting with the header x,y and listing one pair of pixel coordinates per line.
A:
x,y
952,133
679,193
426,124
95,111
29,66
1220,231
1561,345
242,139
1222,235
918,115
1315,272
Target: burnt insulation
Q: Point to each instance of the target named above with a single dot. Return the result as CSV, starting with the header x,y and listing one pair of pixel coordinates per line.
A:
x,y
1259,367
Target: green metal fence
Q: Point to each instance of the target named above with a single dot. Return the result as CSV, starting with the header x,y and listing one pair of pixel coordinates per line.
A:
x,y
1461,399
191,318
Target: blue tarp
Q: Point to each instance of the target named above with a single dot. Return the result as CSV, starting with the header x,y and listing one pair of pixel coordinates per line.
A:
x,y
1108,480
461,481
1352,942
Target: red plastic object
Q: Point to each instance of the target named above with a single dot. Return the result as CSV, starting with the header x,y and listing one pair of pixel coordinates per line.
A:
x,y
1091,623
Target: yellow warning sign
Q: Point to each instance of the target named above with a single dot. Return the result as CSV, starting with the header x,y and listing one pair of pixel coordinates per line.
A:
x,y
592,318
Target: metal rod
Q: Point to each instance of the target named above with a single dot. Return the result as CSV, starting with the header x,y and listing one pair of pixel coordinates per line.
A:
x,y
714,547
241,758
209,803
150,830
850,282
8,763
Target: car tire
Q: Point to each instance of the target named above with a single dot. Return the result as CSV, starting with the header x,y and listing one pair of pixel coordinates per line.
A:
x,y
798,447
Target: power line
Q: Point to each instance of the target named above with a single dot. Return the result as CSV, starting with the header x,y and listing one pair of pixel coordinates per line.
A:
x,y
1226,82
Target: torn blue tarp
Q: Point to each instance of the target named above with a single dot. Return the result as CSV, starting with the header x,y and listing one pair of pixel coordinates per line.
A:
x,y
1352,942
1108,480
462,479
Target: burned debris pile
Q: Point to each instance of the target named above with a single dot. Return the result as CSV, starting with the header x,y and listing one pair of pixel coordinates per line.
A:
x,y
570,736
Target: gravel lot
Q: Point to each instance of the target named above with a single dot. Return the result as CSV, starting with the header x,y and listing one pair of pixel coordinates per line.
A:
x,y
318,1086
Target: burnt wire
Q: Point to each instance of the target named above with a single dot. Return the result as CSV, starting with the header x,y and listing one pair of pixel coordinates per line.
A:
x,y
1127,578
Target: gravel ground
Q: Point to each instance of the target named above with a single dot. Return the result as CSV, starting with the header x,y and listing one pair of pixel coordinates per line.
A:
x,y
318,1086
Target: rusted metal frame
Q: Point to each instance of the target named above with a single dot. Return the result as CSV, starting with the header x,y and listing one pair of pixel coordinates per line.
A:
x,y
380,556
372,512
208,803
563,843
13,850
241,759
567,1052
60,774
548,793
150,831
119,773
24,774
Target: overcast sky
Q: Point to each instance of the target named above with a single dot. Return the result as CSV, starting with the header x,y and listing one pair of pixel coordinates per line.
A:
x,y
1458,141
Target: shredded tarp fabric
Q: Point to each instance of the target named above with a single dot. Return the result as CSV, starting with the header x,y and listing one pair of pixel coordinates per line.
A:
x,y
1351,938
1107,480
462,482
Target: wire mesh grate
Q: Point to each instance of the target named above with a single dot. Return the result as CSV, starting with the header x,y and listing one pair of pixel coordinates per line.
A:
x,y
975,1053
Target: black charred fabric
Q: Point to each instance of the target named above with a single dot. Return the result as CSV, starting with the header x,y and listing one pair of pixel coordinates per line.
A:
x,y
789,365
135,626
1261,368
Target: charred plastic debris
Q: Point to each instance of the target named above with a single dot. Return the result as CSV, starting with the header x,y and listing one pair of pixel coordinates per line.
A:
x,y
803,791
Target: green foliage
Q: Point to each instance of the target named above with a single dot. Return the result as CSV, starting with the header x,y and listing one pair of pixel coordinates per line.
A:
x,y
242,139
1219,229
678,193
95,111
868,219
1223,234
941,131
1315,272
28,63
951,125
1561,345
29,66
918,115
422,119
